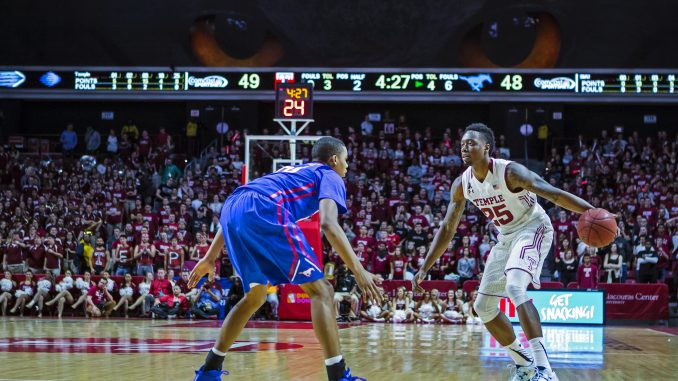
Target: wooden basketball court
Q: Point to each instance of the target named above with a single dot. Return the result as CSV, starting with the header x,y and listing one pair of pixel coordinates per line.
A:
x,y
78,349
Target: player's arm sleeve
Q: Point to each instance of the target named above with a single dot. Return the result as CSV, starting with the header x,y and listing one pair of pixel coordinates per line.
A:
x,y
332,187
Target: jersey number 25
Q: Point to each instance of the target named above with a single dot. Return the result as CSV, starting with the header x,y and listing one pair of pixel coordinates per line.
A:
x,y
498,214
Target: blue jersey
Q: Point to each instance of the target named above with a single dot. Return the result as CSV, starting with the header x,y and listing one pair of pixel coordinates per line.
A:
x,y
300,188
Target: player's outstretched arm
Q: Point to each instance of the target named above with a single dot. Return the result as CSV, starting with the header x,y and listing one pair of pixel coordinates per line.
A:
x,y
518,176
445,233
329,223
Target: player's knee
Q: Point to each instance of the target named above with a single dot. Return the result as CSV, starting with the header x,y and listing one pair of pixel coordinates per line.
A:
x,y
517,294
516,286
486,307
255,297
321,290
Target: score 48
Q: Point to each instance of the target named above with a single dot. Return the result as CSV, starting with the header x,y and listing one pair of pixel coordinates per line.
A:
x,y
512,82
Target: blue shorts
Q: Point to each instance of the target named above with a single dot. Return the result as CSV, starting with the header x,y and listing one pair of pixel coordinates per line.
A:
x,y
263,244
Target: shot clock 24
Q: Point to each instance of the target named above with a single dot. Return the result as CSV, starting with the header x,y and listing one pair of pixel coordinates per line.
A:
x,y
294,101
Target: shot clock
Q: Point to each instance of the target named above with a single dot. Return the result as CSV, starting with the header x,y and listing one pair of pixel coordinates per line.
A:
x,y
294,101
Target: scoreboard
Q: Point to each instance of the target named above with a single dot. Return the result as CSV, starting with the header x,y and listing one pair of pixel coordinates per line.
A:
x,y
564,85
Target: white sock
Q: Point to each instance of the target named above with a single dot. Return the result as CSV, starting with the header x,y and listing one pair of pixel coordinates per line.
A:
x,y
218,352
333,360
520,355
539,350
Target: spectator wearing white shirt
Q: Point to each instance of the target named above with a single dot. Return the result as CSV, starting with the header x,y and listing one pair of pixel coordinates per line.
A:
x,y
366,127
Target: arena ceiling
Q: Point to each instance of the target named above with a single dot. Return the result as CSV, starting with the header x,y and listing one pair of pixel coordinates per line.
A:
x,y
425,33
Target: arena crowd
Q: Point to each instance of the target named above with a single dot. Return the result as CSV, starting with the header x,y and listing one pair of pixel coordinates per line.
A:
x,y
117,231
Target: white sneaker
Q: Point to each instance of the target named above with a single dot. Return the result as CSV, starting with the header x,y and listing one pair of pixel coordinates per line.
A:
x,y
523,373
544,374
30,304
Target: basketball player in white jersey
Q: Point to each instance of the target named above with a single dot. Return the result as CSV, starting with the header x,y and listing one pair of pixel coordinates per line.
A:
x,y
505,192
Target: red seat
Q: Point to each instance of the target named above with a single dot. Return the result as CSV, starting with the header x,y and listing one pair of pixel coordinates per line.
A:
x,y
470,285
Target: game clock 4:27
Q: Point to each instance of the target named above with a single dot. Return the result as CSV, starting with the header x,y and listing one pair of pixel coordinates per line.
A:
x,y
294,101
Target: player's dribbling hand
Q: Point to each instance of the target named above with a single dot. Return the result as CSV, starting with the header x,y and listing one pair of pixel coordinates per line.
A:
x,y
203,267
416,281
368,284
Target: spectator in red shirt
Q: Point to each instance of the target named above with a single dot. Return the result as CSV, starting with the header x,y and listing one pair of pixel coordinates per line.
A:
x,y
415,263
144,254
391,236
466,244
122,257
381,262
562,227
448,261
587,275
672,207
161,138
398,265
648,211
364,257
53,256
174,256
36,256
364,239
170,305
159,288
99,300
144,144
149,216
189,293
418,218
162,247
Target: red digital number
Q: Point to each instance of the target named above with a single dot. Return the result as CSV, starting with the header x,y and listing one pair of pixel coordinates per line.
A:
x,y
291,105
498,214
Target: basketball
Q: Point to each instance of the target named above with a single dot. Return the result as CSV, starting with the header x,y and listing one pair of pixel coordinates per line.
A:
x,y
597,227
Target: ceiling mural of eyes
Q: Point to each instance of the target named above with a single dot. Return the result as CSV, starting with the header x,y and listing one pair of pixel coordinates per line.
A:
x,y
234,38
512,39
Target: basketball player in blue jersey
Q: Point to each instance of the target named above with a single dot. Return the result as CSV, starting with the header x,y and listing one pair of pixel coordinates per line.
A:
x,y
265,245
505,192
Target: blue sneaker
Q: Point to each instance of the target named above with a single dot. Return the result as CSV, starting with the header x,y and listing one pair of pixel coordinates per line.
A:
x,y
349,377
209,375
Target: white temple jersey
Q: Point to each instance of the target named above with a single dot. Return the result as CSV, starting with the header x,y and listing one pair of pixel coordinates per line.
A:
x,y
508,210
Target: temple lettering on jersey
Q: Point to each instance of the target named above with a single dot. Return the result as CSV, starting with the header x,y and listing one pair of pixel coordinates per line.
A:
x,y
484,201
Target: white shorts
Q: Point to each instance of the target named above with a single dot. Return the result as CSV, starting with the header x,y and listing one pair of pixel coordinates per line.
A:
x,y
452,315
524,250
399,316
374,311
